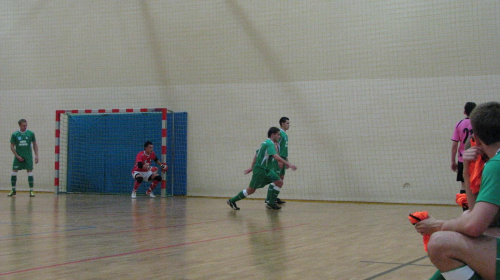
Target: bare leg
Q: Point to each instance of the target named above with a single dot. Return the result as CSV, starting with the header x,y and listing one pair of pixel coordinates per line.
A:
x,y
449,250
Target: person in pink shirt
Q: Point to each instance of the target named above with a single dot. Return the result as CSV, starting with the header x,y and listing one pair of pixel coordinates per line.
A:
x,y
462,132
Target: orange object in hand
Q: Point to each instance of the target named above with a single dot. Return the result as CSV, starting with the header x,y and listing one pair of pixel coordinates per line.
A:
x,y
461,200
416,217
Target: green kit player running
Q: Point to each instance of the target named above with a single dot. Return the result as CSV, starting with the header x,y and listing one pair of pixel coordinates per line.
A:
x,y
21,142
264,168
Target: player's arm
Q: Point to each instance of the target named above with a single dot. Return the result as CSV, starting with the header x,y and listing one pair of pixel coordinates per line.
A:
x,y
286,163
163,166
472,224
251,166
140,164
476,222
13,149
454,149
35,148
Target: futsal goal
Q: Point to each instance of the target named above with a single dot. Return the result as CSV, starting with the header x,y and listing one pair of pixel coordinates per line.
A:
x,y
95,150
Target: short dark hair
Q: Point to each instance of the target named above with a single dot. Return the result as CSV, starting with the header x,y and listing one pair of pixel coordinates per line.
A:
x,y
21,121
283,120
272,130
469,106
147,144
485,120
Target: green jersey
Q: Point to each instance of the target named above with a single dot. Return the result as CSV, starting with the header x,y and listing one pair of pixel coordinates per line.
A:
x,y
22,141
490,181
265,157
283,144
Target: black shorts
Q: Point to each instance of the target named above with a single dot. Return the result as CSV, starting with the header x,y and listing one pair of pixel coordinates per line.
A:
x,y
460,172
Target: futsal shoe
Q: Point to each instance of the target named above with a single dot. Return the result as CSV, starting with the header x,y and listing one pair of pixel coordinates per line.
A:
x,y
279,201
11,193
32,194
134,195
150,194
273,206
232,205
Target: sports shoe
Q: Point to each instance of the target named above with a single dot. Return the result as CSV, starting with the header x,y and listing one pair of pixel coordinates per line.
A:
x,y
32,194
134,195
279,201
232,205
151,194
11,193
273,206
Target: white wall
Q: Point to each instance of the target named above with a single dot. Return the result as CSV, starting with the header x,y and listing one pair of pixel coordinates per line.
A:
x,y
372,88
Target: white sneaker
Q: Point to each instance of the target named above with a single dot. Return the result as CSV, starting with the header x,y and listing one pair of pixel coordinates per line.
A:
x,y
151,194
134,195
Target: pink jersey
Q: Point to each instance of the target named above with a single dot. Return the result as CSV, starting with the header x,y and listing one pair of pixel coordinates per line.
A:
x,y
463,130
142,157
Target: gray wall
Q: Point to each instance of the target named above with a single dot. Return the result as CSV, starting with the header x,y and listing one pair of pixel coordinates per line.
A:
x,y
373,88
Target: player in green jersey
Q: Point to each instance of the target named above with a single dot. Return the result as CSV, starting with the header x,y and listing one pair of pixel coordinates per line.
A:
x,y
283,152
264,167
21,143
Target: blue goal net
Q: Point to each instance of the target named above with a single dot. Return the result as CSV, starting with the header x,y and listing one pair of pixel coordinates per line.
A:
x,y
101,151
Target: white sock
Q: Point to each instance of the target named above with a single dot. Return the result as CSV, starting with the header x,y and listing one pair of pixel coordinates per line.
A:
x,y
461,273
245,192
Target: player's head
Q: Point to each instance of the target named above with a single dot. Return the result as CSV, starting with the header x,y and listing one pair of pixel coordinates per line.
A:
x,y
285,123
147,144
469,106
272,131
22,124
485,120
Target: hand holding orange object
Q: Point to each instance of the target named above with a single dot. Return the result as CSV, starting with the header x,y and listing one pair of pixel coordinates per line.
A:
x,y
475,159
461,200
416,217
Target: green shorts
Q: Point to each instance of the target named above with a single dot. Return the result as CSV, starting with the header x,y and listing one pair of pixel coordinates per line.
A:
x,y
263,177
283,170
27,164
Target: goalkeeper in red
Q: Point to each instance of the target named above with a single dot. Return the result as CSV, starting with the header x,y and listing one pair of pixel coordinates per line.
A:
x,y
143,169
21,143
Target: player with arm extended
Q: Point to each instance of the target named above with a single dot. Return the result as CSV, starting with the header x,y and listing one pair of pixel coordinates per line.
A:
x,y
21,143
462,132
143,169
264,166
459,248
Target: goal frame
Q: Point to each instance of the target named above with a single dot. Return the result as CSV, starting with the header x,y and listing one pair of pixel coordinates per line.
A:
x,y
108,111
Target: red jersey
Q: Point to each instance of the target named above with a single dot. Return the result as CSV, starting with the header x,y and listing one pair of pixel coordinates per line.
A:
x,y
142,157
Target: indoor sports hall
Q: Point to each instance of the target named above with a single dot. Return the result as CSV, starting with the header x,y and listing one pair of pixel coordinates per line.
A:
x,y
372,90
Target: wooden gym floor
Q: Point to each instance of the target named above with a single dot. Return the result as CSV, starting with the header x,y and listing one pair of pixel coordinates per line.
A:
x,y
79,236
